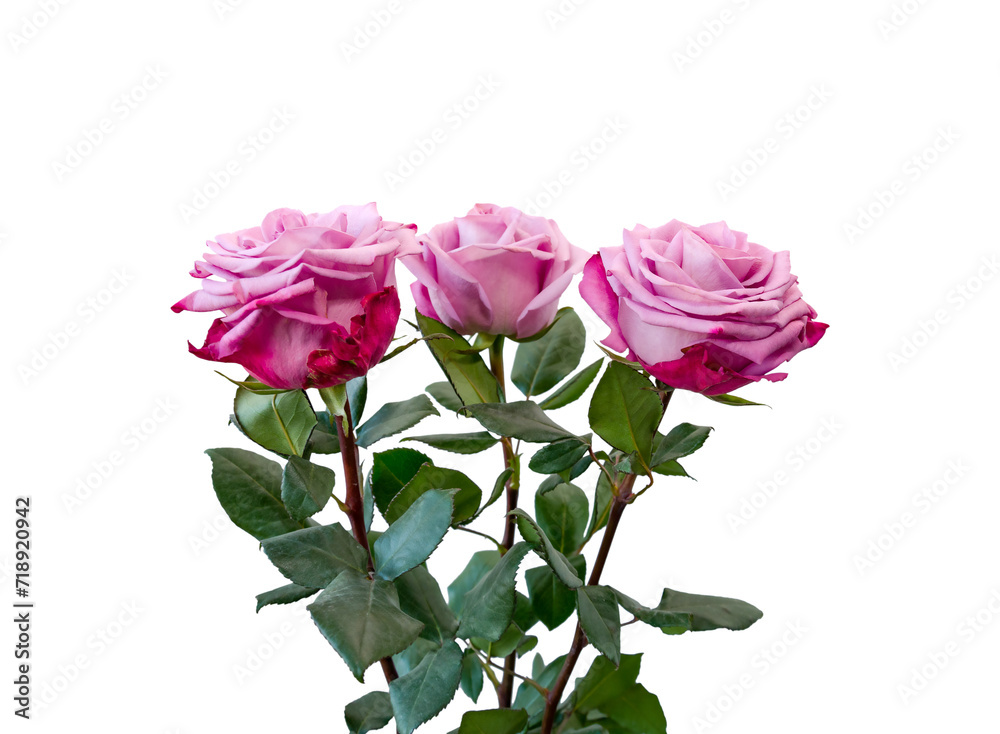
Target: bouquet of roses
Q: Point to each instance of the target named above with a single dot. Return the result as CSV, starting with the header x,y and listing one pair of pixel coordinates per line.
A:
x,y
309,303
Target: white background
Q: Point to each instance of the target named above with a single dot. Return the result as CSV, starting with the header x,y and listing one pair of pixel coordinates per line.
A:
x,y
699,89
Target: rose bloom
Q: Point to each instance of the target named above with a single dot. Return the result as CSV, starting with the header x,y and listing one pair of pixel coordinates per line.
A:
x,y
309,300
494,271
701,308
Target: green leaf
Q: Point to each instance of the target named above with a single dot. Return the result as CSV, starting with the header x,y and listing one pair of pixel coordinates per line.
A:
x,y
562,513
254,385
421,694
445,394
458,443
393,418
323,439
361,619
542,364
604,682
523,420
249,488
305,487
637,710
601,510
357,395
430,477
573,389
679,612
551,599
478,566
624,412
280,423
391,470
524,615
472,675
410,658
314,557
733,400
503,647
541,544
468,374
599,618
284,595
494,721
413,537
498,489
420,597
683,440
559,456
528,698
489,605
370,712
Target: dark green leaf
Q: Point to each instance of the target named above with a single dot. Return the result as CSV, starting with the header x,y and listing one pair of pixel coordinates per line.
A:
x,y
495,721
541,544
370,712
637,710
574,388
683,440
498,489
445,394
413,537
420,597
542,364
601,510
472,675
603,682
624,412
679,612
599,618
528,698
524,615
732,400
523,420
284,595
305,487
468,374
361,619
551,599
280,423
458,443
391,470
559,456
256,386
421,694
393,418
249,488
489,605
314,557
430,477
503,647
323,439
562,513
357,396
478,566
410,658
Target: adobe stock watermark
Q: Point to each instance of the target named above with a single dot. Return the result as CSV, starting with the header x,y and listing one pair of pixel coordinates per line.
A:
x,y
560,13
762,663
92,137
699,41
86,312
914,168
892,532
786,127
130,440
453,119
247,151
957,298
940,659
796,460
225,8
365,33
256,656
580,161
34,23
899,15
96,646
211,530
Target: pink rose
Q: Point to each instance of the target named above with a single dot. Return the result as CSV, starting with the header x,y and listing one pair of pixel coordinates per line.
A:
x,y
494,271
309,300
701,308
